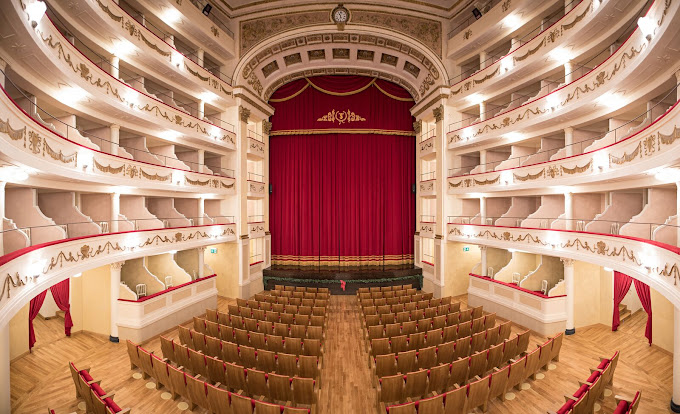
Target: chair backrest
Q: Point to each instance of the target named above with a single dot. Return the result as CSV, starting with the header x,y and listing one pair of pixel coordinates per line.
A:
x,y
279,387
478,393
168,281
391,388
303,391
140,289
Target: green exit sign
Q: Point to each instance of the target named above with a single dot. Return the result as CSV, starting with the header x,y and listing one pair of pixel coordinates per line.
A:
x,y
213,250
466,249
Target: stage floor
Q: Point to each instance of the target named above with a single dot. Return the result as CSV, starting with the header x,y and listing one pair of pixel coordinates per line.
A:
x,y
353,278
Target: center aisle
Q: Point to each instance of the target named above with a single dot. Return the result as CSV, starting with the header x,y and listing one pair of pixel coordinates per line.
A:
x,y
346,378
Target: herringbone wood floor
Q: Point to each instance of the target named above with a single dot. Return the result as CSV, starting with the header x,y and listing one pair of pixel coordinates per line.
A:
x,y
42,378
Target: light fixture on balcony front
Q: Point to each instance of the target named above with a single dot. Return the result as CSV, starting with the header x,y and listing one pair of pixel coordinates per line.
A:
x,y
560,55
513,22
608,269
176,58
36,10
646,26
13,174
70,95
475,99
123,48
171,15
506,64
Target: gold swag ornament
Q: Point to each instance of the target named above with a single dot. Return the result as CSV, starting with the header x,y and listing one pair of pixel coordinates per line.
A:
x,y
341,117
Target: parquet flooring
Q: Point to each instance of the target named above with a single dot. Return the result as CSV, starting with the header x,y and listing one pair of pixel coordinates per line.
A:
x,y
42,378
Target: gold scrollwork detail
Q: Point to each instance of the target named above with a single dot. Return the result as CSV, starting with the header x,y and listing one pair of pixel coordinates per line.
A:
x,y
488,181
626,157
59,156
529,177
577,169
670,138
155,177
108,169
11,282
341,117
14,134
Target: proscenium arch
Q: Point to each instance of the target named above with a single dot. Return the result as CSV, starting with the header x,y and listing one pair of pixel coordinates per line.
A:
x,y
417,68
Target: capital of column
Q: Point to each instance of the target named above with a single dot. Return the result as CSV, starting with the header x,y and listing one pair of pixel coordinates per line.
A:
x,y
243,113
418,126
115,127
483,248
438,113
117,265
567,262
202,248
266,127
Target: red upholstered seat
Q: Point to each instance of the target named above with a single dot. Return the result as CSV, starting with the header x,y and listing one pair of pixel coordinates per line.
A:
x,y
622,408
99,390
86,375
112,405
567,406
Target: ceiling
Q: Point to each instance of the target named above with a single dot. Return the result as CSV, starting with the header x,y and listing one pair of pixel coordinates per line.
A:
x,y
441,8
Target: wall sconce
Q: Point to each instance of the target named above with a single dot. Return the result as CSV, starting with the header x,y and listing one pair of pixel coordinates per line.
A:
x,y
36,10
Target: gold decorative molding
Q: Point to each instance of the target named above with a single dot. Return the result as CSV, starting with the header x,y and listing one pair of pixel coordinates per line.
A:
x,y
438,113
341,117
243,113
266,127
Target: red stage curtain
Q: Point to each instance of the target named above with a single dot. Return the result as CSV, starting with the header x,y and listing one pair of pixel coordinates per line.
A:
x,y
34,308
341,184
621,286
60,293
646,300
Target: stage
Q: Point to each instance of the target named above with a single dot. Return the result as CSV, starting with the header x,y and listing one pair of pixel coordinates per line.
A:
x,y
354,278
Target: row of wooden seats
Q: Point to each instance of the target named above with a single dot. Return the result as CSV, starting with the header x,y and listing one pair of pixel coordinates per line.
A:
x,y
301,289
583,400
275,317
237,323
395,300
96,399
382,288
235,375
297,295
419,340
428,325
438,379
408,315
407,312
284,300
255,306
479,361
257,340
215,398
247,356
216,347
386,294
466,398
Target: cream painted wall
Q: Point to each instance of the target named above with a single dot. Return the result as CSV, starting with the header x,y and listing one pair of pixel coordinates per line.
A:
x,y
587,298
163,265
459,264
18,333
225,264
662,321
90,301
497,258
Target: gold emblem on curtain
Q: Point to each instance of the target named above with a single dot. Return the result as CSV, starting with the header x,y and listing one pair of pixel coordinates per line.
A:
x,y
341,117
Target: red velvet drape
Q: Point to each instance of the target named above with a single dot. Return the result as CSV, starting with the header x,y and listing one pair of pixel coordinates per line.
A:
x,y
342,184
646,300
33,309
60,293
621,286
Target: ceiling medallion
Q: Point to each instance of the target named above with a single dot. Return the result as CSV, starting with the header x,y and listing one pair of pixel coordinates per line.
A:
x,y
340,16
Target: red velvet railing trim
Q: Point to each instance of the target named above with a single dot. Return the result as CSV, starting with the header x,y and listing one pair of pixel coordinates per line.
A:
x,y
170,289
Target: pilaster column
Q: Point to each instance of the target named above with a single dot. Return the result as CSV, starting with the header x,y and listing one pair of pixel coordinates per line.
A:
x,y
482,59
569,141
482,210
569,210
115,212
440,171
201,161
677,206
200,53
482,250
3,69
675,406
201,212
170,39
568,5
201,109
114,138
568,72
482,111
201,262
244,274
569,284
115,294
677,80
115,66
514,43
266,128
482,160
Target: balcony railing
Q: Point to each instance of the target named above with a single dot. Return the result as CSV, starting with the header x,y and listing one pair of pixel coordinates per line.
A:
x,y
426,176
259,178
617,134
467,22
577,68
640,229
427,218
546,24
99,60
256,218
74,134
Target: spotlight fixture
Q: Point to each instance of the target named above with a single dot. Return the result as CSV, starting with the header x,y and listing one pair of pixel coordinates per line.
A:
x,y
207,8
476,13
